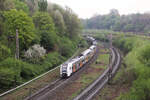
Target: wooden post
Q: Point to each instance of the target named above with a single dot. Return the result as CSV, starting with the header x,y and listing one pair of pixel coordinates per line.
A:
x,y
17,45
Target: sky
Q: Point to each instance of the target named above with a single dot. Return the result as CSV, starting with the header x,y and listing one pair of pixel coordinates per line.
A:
x,y
88,8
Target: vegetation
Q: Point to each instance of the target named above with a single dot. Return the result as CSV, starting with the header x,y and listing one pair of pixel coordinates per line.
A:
x,y
48,35
137,61
114,21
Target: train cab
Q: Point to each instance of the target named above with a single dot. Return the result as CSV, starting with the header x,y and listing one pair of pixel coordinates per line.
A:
x,y
63,70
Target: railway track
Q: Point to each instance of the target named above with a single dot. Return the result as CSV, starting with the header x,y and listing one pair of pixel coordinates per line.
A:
x,y
94,88
53,87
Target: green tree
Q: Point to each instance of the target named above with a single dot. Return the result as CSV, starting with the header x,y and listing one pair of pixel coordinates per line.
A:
x,y
72,23
19,5
42,4
45,25
49,40
19,20
59,22
33,5
43,21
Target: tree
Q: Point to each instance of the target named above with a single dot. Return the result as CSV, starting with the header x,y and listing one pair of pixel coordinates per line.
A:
x,y
6,5
42,4
19,5
72,23
43,21
49,40
19,20
33,5
45,25
114,12
59,23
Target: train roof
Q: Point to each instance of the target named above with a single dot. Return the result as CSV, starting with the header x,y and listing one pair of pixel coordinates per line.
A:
x,y
92,47
86,52
74,60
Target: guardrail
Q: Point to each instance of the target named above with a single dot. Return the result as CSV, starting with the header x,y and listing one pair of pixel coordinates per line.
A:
x,y
11,90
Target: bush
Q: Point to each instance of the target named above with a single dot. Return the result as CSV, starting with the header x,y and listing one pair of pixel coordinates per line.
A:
x,y
66,47
53,59
14,71
4,52
35,53
10,70
29,71
145,55
48,40
138,59
7,77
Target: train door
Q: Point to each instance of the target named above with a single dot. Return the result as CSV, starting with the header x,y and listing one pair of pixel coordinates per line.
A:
x,y
81,64
74,67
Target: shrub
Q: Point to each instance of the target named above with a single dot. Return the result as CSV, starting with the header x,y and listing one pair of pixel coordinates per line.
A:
x,y
10,70
53,58
35,53
145,55
4,52
7,77
48,40
66,47
138,59
29,71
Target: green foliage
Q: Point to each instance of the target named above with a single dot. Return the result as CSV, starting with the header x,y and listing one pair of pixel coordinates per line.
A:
x,y
19,20
7,77
29,71
42,4
1,25
72,24
54,58
49,40
83,43
55,29
19,5
32,5
9,70
113,21
66,47
43,21
138,60
46,26
59,23
4,52
145,55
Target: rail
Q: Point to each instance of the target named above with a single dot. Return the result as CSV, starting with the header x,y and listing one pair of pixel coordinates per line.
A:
x,y
11,90
90,91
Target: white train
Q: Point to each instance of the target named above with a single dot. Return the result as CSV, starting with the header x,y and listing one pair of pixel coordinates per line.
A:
x,y
73,65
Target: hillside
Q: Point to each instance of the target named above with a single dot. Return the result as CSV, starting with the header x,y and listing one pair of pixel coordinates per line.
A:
x,y
47,35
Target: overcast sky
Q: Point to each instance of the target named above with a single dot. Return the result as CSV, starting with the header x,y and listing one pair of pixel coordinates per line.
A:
x,y
88,8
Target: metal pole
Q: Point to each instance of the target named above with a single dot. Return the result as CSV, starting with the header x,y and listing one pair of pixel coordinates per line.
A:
x,y
17,45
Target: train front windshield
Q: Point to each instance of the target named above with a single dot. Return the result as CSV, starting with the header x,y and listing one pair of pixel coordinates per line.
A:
x,y
64,68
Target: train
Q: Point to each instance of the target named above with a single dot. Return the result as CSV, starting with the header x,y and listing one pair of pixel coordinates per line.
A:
x,y
74,64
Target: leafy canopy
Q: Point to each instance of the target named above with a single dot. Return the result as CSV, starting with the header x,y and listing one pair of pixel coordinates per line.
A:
x,y
20,20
